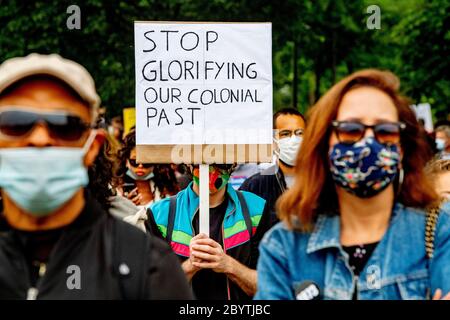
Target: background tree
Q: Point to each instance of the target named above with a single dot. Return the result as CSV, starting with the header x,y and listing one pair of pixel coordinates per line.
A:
x,y
315,43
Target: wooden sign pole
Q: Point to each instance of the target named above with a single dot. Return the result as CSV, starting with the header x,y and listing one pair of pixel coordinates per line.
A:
x,y
204,199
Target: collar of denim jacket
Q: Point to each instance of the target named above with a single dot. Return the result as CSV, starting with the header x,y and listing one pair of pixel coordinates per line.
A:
x,y
327,230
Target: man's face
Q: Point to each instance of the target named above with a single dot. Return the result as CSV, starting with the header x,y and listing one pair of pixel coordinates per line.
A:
x,y
43,95
287,124
443,136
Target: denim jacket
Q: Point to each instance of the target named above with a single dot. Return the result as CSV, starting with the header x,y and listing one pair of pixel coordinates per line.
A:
x,y
397,269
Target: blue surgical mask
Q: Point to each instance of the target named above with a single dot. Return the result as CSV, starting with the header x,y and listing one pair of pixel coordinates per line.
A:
x,y
41,180
134,176
364,168
440,144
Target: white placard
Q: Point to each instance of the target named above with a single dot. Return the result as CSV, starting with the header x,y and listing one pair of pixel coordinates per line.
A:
x,y
423,111
203,83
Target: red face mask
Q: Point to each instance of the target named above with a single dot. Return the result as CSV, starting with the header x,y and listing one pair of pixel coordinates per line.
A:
x,y
218,178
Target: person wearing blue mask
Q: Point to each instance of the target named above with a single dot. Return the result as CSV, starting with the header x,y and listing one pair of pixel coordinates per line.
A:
x,y
443,142
362,220
143,183
56,240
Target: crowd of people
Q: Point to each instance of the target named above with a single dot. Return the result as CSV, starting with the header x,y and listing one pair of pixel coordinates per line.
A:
x,y
355,202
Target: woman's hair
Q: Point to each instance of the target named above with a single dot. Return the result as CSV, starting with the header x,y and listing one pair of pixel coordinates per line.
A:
x,y
314,191
164,177
102,174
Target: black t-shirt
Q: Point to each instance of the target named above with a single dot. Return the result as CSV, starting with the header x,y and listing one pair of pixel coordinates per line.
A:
x,y
359,255
207,284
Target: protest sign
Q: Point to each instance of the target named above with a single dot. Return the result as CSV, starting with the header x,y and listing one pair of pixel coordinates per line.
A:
x,y
129,119
203,92
423,112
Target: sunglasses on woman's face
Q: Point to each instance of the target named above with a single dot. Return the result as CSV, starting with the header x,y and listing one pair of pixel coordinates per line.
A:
x,y
135,164
352,131
16,124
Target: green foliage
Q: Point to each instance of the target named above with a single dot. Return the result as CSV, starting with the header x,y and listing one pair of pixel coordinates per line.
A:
x,y
329,37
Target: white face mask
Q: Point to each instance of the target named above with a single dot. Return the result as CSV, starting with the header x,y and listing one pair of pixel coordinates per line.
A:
x,y
289,148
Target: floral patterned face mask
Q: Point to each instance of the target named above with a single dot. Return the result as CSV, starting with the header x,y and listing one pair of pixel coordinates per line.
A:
x,y
364,168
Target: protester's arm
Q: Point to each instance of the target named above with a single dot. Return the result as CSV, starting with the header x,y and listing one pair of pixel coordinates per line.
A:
x,y
243,276
188,269
246,277
211,256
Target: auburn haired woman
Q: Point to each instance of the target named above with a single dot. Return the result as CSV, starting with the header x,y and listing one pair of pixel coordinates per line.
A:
x,y
353,224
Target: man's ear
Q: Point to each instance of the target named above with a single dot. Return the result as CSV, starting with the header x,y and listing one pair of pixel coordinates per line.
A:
x,y
95,148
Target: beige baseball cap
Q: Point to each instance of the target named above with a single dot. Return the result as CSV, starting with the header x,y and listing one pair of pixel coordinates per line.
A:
x,y
70,72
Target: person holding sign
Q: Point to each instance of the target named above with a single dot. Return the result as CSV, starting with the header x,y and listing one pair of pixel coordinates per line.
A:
x,y
56,240
222,266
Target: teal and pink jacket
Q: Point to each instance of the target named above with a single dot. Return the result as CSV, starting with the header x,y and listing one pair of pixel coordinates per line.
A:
x,y
235,232
237,241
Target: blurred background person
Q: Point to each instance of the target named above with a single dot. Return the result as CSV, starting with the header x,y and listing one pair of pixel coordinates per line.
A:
x,y
143,183
289,125
354,221
115,129
443,141
182,175
104,181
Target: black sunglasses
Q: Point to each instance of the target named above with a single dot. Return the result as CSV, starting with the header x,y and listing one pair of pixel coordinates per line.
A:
x,y
15,124
352,131
135,164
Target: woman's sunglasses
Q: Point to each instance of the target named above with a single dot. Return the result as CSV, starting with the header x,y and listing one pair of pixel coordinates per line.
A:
x,y
135,164
352,131
16,124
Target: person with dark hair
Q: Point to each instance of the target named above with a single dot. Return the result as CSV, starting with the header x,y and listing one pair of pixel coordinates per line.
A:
x,y
103,181
143,183
56,240
221,266
362,220
102,174
289,125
